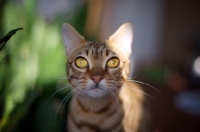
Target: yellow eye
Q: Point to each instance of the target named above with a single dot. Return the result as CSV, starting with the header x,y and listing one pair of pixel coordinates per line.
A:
x,y
81,62
113,63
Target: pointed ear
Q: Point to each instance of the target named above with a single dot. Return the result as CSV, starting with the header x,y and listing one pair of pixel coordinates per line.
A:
x,y
72,39
122,39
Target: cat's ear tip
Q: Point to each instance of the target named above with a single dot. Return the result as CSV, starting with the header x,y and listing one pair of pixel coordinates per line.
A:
x,y
128,24
67,28
66,25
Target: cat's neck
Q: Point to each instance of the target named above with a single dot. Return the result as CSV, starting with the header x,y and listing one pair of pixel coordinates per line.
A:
x,y
96,104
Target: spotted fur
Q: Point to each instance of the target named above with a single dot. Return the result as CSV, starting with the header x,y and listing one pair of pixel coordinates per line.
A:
x,y
112,104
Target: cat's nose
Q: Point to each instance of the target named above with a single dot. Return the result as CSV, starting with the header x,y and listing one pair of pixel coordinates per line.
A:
x,y
96,78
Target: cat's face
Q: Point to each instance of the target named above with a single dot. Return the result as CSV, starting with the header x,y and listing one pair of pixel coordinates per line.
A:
x,y
95,69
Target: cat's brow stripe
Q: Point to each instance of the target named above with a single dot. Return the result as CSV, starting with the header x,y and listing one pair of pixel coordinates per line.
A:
x,y
107,52
86,52
96,48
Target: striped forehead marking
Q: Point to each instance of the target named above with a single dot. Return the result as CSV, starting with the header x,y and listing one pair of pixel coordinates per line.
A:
x,y
95,48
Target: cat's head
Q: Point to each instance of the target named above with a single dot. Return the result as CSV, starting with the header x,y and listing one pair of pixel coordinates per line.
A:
x,y
97,69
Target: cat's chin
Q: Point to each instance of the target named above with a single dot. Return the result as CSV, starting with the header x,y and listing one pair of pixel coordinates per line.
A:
x,y
96,92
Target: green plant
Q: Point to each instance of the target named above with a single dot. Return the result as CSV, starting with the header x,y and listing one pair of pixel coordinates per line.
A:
x,y
28,62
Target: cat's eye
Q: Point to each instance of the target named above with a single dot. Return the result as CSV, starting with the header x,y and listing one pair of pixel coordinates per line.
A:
x,y
81,62
112,63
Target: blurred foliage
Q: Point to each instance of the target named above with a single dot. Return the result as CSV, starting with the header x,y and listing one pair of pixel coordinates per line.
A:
x,y
5,39
155,73
29,61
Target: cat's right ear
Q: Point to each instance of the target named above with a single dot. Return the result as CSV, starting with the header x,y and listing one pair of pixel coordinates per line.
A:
x,y
72,39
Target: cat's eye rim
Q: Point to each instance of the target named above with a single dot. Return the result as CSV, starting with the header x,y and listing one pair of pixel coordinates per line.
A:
x,y
115,65
78,63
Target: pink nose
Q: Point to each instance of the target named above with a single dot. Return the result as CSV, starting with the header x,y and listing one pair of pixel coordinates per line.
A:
x,y
96,78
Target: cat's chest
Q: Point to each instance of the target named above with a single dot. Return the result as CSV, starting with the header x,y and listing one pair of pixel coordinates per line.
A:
x,y
104,118
122,113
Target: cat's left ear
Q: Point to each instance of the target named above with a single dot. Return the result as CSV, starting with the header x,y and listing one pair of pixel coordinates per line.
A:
x,y
122,39
72,39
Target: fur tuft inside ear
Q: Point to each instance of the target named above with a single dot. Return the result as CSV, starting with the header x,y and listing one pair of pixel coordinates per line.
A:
x,y
72,39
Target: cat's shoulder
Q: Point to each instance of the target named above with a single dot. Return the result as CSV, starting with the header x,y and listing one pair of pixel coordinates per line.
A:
x,y
132,85
132,90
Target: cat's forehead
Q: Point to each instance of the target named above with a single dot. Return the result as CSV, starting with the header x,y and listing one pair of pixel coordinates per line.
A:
x,y
95,50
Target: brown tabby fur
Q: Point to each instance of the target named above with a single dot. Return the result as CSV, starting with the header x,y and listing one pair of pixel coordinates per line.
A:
x,y
116,106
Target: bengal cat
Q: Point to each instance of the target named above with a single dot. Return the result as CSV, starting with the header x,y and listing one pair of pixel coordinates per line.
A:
x,y
103,99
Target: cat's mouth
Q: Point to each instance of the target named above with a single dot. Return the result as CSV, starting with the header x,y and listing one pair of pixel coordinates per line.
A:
x,y
96,88
96,91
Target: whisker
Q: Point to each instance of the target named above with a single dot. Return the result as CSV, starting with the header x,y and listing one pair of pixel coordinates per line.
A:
x,y
143,93
138,91
136,75
111,93
123,94
145,84
61,88
128,99
60,78
114,95
70,95
74,97
65,85
66,97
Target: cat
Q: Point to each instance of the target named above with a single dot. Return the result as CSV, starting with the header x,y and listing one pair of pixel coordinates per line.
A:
x,y
103,100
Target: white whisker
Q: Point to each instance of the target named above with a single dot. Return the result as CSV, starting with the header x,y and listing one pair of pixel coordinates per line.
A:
x,y
145,84
70,95
74,97
60,78
114,95
143,93
123,94
62,88
129,100
66,98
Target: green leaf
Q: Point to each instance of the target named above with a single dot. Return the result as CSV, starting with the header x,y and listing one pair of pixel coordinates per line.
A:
x,y
5,39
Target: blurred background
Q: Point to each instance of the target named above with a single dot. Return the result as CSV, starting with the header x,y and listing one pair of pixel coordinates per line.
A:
x,y
165,54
